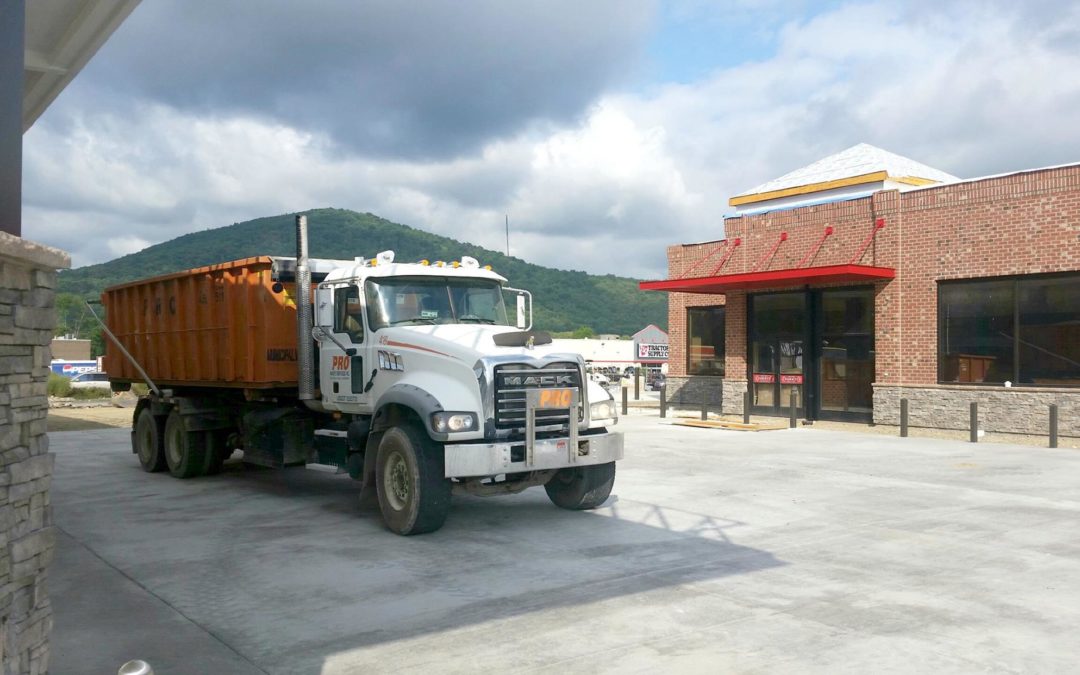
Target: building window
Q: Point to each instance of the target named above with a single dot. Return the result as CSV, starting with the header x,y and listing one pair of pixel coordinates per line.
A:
x,y
705,349
1024,330
1049,341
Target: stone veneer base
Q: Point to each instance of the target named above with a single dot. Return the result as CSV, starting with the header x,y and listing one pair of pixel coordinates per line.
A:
x,y
27,536
686,391
1019,410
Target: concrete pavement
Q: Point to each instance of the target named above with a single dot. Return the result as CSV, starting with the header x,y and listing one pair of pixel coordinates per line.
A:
x,y
788,551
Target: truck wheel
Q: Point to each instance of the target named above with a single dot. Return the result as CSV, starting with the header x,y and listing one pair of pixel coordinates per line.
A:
x,y
148,437
185,451
581,488
414,495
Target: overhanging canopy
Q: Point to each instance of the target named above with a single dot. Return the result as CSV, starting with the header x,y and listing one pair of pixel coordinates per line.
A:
x,y
830,274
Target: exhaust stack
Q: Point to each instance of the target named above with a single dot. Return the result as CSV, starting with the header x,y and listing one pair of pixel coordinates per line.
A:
x,y
305,352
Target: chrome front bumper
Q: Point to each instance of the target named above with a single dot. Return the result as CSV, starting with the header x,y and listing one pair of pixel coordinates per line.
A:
x,y
491,459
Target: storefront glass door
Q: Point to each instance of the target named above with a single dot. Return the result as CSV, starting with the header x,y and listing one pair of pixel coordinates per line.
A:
x,y
777,352
817,346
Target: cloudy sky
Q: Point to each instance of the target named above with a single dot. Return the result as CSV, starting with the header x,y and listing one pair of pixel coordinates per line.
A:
x,y
606,129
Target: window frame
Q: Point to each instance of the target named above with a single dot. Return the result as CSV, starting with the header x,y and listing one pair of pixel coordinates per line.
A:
x,y
689,336
340,311
1016,280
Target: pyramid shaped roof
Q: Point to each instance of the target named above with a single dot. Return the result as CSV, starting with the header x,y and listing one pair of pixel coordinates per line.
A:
x,y
862,163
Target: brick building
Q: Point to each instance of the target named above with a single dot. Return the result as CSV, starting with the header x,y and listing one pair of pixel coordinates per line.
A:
x,y
866,277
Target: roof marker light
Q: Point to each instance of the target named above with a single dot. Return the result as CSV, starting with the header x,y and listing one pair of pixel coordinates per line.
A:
x,y
439,263
470,262
425,262
455,264
487,267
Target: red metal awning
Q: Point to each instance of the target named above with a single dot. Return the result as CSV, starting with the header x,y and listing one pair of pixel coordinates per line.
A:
x,y
773,279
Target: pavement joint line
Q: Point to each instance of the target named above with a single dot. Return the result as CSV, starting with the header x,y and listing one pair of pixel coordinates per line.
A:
x,y
163,601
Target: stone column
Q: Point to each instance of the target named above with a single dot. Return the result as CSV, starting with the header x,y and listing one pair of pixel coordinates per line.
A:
x,y
27,319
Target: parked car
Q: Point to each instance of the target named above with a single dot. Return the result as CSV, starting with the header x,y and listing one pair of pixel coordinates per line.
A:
x,y
97,380
657,383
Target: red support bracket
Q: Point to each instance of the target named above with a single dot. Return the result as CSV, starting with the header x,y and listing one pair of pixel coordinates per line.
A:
x,y
727,256
771,252
813,252
699,263
878,224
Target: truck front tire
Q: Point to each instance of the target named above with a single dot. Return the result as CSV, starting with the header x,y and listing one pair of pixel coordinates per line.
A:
x,y
581,488
414,494
148,437
185,451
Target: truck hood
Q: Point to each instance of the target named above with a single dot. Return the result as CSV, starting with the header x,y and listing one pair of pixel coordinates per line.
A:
x,y
464,342
467,344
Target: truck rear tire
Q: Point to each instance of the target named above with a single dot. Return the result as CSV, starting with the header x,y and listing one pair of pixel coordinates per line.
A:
x,y
414,494
581,488
148,439
185,451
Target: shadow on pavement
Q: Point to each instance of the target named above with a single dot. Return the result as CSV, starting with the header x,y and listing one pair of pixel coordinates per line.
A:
x,y
287,571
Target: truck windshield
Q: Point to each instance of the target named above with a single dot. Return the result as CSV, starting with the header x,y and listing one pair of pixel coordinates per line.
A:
x,y
403,301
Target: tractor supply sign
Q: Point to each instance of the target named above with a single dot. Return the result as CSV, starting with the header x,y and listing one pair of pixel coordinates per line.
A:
x,y
652,352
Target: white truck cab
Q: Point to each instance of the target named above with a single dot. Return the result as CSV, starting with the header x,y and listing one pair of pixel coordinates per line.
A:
x,y
425,374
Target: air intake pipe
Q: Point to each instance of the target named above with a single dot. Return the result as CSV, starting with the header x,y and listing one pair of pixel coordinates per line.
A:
x,y
305,347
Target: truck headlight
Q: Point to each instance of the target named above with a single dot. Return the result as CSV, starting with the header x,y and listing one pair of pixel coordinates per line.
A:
x,y
603,410
449,422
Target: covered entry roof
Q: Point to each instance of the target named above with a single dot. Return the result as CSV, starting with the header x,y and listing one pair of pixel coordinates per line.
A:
x,y
60,37
772,279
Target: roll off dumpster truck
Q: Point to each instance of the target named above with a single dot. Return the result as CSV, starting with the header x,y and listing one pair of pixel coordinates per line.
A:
x,y
407,375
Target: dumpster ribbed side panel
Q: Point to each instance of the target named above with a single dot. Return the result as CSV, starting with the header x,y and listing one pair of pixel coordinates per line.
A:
x,y
221,325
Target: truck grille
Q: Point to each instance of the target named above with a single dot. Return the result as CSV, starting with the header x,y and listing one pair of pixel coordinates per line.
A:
x,y
512,381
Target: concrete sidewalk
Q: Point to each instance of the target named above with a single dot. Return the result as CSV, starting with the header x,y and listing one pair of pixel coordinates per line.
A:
x,y
787,551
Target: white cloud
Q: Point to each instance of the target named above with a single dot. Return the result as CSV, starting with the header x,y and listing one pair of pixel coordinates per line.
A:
x,y
124,245
162,173
969,88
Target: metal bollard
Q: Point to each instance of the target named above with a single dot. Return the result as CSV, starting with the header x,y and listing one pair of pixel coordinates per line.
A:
x,y
625,392
637,384
746,407
1053,425
974,422
903,417
663,400
794,409
704,403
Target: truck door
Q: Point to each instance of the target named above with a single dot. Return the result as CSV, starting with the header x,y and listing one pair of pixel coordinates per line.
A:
x,y
341,375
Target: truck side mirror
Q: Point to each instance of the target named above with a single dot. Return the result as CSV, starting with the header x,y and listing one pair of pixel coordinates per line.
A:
x,y
521,318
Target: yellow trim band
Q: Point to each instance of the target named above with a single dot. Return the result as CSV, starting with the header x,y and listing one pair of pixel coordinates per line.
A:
x,y
812,187
913,180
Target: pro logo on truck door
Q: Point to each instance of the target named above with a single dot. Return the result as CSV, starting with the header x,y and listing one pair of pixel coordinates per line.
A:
x,y
339,367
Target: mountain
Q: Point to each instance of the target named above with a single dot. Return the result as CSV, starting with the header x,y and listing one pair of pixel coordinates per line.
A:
x,y
563,300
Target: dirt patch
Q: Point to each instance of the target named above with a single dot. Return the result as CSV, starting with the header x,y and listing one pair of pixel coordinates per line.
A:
x,y
89,417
